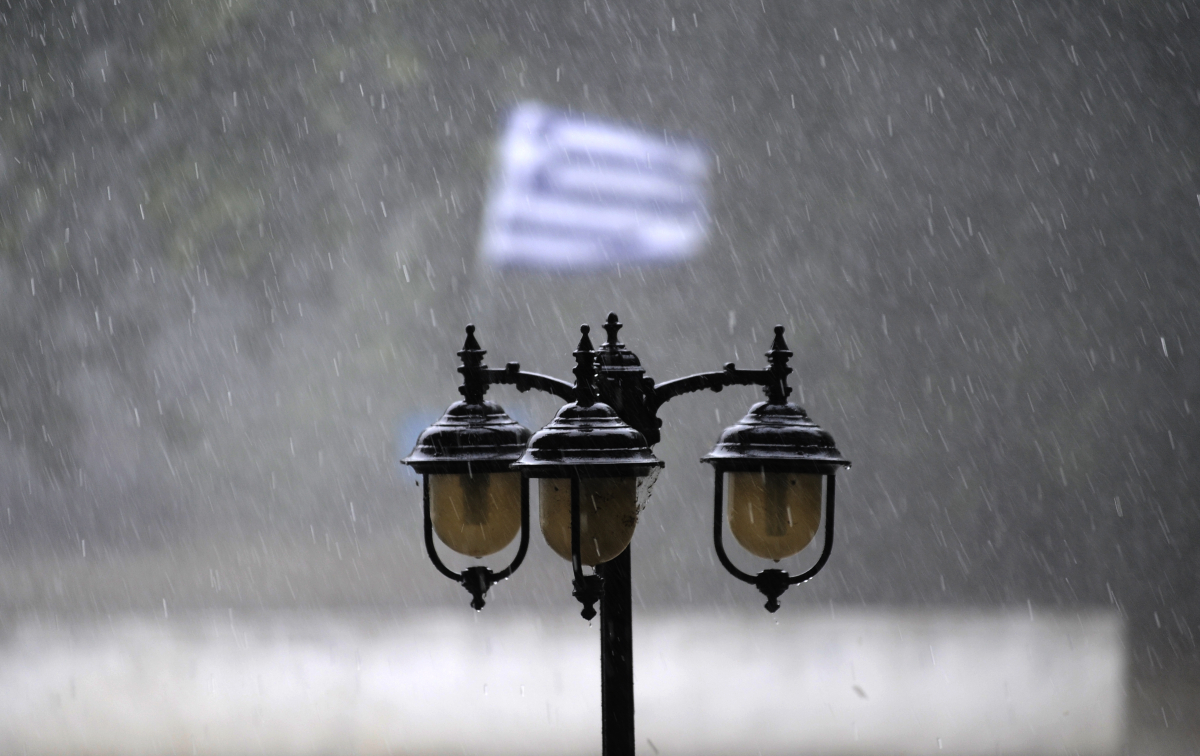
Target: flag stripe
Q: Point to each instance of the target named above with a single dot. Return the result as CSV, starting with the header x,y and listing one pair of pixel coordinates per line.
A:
x,y
571,193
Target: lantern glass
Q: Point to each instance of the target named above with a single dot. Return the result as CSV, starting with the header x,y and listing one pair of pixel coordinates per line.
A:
x,y
774,514
478,514
608,514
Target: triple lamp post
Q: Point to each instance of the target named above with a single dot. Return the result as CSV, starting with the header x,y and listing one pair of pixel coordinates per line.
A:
x,y
594,468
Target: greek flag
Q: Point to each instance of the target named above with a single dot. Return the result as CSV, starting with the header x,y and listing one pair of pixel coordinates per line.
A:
x,y
574,192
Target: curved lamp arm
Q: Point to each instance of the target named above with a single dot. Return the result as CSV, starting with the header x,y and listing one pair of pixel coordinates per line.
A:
x,y
478,579
477,377
770,582
715,381
511,374
773,379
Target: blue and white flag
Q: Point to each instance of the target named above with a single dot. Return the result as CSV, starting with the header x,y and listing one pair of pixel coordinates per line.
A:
x,y
574,192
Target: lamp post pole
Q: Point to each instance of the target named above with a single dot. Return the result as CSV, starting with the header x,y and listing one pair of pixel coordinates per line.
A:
x,y
616,657
621,385
778,460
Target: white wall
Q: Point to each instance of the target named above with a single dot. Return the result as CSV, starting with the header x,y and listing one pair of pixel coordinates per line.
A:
x,y
846,682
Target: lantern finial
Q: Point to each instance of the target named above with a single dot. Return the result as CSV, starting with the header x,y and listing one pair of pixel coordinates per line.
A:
x,y
777,357
611,326
585,369
472,370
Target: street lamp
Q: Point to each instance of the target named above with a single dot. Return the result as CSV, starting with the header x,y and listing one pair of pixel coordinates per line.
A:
x,y
589,463
473,499
594,466
776,461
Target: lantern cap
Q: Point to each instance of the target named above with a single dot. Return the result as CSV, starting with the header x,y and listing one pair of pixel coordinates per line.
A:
x,y
588,441
471,437
613,357
776,436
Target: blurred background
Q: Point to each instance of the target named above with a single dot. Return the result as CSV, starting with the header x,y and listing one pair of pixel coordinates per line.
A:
x,y
239,242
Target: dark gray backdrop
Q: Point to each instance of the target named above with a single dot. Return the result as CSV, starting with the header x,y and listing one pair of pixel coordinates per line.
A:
x,y
237,248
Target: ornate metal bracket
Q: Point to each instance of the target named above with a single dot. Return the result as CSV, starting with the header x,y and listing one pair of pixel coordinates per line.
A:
x,y
619,380
773,379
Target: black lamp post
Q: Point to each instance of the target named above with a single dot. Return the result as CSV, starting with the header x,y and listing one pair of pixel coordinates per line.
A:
x,y
594,466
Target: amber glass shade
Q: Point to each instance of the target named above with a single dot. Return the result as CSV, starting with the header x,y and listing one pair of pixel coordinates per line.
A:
x,y
476,514
608,513
773,515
